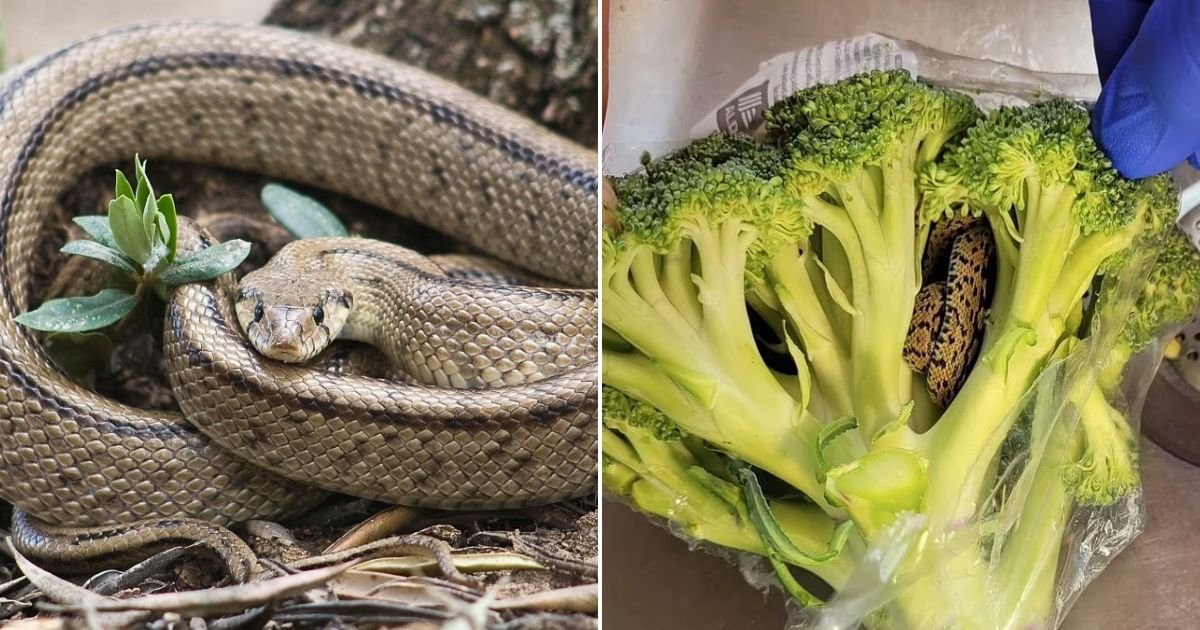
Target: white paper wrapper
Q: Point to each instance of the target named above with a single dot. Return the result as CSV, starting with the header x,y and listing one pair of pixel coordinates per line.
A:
x,y
990,83
786,74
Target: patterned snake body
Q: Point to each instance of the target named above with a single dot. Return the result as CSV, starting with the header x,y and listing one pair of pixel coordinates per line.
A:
x,y
298,108
499,446
946,329
440,330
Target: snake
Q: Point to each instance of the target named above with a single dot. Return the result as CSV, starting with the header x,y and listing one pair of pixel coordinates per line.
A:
x,y
259,438
950,311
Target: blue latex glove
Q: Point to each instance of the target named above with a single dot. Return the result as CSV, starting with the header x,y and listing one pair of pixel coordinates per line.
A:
x,y
1148,54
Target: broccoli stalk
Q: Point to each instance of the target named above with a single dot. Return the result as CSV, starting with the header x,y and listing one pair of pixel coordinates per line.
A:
x,y
794,287
647,462
1027,570
1001,571
1107,467
1091,462
1094,462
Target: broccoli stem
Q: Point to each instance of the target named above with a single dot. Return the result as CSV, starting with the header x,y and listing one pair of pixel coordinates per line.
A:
x,y
1014,586
966,439
879,329
677,274
958,586
798,298
1113,371
1002,292
1050,228
1028,564
837,263
763,302
755,420
665,480
649,322
884,289
1079,271
639,377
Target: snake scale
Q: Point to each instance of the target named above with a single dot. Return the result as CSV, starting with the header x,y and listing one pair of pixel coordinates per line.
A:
x,y
950,311
293,107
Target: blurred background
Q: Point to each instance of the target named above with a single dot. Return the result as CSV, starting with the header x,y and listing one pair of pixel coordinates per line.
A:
x,y
34,27
651,580
537,57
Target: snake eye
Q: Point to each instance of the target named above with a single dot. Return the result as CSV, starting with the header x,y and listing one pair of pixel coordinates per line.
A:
x,y
258,312
318,315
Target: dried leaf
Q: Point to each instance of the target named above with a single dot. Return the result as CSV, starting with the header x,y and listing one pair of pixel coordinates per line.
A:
x,y
584,599
464,562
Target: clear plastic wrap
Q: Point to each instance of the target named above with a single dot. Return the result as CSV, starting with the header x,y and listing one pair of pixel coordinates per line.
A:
x,y
1092,535
879,585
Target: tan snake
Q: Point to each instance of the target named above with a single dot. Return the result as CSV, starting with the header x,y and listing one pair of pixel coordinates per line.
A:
x,y
294,107
948,319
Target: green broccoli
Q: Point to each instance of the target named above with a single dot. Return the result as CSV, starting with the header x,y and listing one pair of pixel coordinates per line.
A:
x,y
1093,462
854,152
1106,469
649,463
1058,211
820,229
697,228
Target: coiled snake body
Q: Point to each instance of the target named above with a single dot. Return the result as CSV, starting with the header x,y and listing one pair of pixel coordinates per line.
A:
x,y
298,108
950,312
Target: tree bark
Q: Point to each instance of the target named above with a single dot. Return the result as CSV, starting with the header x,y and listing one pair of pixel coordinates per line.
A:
x,y
537,57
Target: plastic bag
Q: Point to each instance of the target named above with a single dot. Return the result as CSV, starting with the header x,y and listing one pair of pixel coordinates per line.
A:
x,y
1092,536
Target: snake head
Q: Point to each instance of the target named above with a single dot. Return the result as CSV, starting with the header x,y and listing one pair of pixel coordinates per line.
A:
x,y
291,319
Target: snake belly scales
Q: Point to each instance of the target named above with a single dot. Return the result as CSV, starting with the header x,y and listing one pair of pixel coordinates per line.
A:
x,y
294,107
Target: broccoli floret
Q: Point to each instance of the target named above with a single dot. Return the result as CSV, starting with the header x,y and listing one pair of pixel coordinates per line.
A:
x,y
697,228
1168,296
1058,210
1057,207
855,149
723,186
627,413
1106,469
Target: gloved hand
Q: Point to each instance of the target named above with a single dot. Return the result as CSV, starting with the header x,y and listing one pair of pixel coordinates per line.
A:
x,y
1148,52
